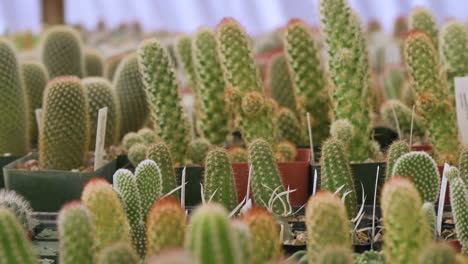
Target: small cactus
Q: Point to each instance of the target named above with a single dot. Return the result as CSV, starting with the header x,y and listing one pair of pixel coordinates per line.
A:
x,y
393,80
118,253
437,253
161,154
421,18
336,255
198,149
238,154
94,63
137,153
176,256
392,108
150,183
289,127
184,53
147,135
20,207
242,234
395,151
285,152
370,257
130,139
343,130
463,162
459,202
110,66
430,214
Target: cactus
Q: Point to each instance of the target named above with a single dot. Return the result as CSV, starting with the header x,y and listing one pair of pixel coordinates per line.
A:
x,y
154,63
349,70
266,180
422,170
64,138
406,228
327,224
213,243
151,184
422,19
107,213
94,63
76,235
35,78
463,162
395,151
219,179
111,64
198,149
343,130
242,77
308,75
61,52
393,80
14,137
392,108
459,202
14,245
214,115
20,207
176,256
100,95
289,127
118,253
130,92
242,234
437,253
432,102
166,226
285,151
280,83
370,257
336,173
238,154
264,235
429,213
336,255
400,27
184,52
125,185
131,139
160,154
137,153
147,135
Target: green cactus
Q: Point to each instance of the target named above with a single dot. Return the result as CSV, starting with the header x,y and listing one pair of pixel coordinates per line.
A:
x,y
161,154
118,253
61,52
406,228
242,77
463,162
214,115
395,151
285,151
289,127
107,213
130,92
266,179
242,234
100,95
131,139
238,154
327,224
35,78
147,135
264,235
14,137
370,257
199,149
166,226
184,52
336,172
157,73
110,66
308,75
400,27
432,101
422,19
393,80
392,108
14,244
210,237
94,63
437,253
459,202
336,255
349,70
219,180
343,130
421,169
430,214
76,235
20,207
137,153
280,83
150,183
64,138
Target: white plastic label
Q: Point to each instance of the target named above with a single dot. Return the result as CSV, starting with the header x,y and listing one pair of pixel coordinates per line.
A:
x,y
100,138
461,100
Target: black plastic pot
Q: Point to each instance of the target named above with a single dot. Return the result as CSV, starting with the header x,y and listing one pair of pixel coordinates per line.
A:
x,y
385,136
5,160
193,177
49,190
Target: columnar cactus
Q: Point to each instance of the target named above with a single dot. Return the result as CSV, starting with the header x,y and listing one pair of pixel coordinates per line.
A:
x,y
349,70
393,80
118,253
336,254
94,63
266,179
243,79
392,108
158,76
422,19
64,138
150,183
429,213
35,78
289,127
213,243
327,224
18,205
214,117
395,151
61,52
459,202
463,162
280,83
14,244
76,234
421,169
406,227
437,253
242,234
110,66
219,179
14,137
130,92
343,130
161,154
107,213
166,226
308,75
336,172
199,147
100,95
184,52
432,101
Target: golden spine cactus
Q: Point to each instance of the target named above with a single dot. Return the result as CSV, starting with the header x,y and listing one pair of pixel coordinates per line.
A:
x,y
422,19
289,127
118,253
280,83
437,253
395,151
94,63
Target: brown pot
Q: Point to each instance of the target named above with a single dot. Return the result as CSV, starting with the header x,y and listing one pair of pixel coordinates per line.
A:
x,y
294,174
456,244
425,148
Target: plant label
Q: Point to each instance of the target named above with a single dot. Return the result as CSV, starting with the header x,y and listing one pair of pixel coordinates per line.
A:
x,y
461,102
100,138
38,113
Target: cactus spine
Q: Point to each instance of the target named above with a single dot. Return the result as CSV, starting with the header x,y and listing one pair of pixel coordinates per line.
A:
x,y
280,83
459,202
18,205
14,136
161,154
422,19
406,228
336,255
94,63
157,72
289,127
76,235
118,253
395,151
327,224
62,147
214,115
437,253
403,114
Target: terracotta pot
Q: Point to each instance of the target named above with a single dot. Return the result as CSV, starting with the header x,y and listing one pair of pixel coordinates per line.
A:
x,y
294,174
456,244
426,148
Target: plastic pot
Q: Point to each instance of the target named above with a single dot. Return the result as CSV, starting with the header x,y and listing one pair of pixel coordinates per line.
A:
x,y
49,190
384,136
5,160
193,177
